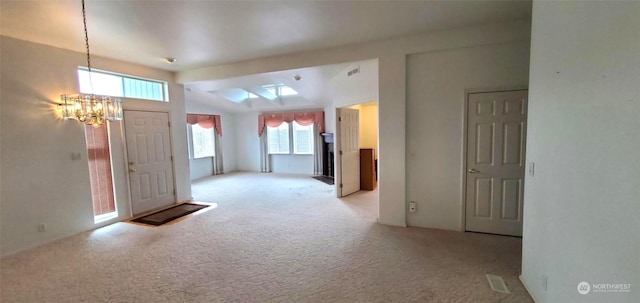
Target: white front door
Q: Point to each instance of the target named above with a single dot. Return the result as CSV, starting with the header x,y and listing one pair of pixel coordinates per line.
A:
x,y
150,160
349,151
496,131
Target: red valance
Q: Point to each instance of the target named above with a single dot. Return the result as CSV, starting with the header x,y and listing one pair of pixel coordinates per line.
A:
x,y
303,118
206,121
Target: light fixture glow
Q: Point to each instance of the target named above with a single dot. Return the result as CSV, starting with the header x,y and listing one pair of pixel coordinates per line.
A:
x,y
90,108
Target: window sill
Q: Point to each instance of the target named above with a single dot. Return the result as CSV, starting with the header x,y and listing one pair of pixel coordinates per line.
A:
x,y
291,154
104,217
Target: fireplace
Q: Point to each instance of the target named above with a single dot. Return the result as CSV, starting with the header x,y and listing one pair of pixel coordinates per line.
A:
x,y
328,155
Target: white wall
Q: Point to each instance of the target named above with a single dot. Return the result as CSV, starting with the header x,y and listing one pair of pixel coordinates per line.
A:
x,y
368,126
582,207
201,168
330,119
435,122
357,88
248,142
204,167
391,55
292,164
39,181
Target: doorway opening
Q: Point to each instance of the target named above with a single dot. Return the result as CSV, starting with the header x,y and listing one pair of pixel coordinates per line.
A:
x,y
357,145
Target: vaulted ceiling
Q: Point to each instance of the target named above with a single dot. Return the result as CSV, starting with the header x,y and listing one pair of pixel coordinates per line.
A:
x,y
206,33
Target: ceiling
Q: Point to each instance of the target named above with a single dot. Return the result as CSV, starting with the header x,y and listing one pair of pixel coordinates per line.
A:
x,y
312,89
206,33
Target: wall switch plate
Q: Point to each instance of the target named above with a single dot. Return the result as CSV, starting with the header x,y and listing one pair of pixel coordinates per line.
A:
x,y
42,227
75,156
544,282
532,168
412,207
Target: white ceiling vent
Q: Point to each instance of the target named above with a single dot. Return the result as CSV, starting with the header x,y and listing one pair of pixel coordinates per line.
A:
x,y
353,71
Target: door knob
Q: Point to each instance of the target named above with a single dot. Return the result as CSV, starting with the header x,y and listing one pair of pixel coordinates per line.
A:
x,y
472,171
132,169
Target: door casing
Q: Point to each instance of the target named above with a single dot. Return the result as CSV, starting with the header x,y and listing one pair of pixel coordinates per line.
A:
x,y
126,156
467,92
339,180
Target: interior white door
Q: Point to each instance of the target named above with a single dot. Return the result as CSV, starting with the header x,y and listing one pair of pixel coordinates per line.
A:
x,y
150,160
349,153
496,136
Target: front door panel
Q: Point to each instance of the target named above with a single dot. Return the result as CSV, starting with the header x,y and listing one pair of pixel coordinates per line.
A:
x,y
150,161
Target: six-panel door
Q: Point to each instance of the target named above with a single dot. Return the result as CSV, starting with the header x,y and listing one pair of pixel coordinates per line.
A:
x,y
150,160
496,130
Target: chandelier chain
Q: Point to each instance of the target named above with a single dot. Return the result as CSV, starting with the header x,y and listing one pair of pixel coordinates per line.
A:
x,y
86,107
86,42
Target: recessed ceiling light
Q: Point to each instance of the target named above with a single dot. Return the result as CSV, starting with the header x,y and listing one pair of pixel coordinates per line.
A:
x,y
169,60
297,77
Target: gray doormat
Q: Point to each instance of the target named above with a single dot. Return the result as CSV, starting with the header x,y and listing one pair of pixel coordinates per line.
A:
x,y
170,214
324,179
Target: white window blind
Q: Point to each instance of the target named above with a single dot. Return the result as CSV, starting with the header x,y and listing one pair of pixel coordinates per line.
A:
x,y
287,137
202,141
279,139
302,139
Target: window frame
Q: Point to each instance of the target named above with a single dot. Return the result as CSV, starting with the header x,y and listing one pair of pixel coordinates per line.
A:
x,y
288,152
99,176
191,144
292,140
164,84
277,90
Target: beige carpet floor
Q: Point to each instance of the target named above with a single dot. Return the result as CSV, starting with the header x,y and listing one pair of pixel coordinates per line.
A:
x,y
272,238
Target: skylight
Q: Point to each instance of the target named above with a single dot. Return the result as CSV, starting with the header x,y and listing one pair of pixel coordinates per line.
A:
x,y
280,90
287,91
269,92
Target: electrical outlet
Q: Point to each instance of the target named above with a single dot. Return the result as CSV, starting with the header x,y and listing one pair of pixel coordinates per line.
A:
x,y
42,227
75,156
412,207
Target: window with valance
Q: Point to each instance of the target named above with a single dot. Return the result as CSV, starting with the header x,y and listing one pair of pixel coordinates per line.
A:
x,y
206,121
205,133
302,118
301,135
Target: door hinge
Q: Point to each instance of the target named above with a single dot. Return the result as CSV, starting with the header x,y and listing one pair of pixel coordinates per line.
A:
x,y
169,123
339,119
174,191
340,153
340,185
171,158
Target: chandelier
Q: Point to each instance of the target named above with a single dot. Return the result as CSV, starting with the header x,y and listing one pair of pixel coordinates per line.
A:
x,y
90,108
